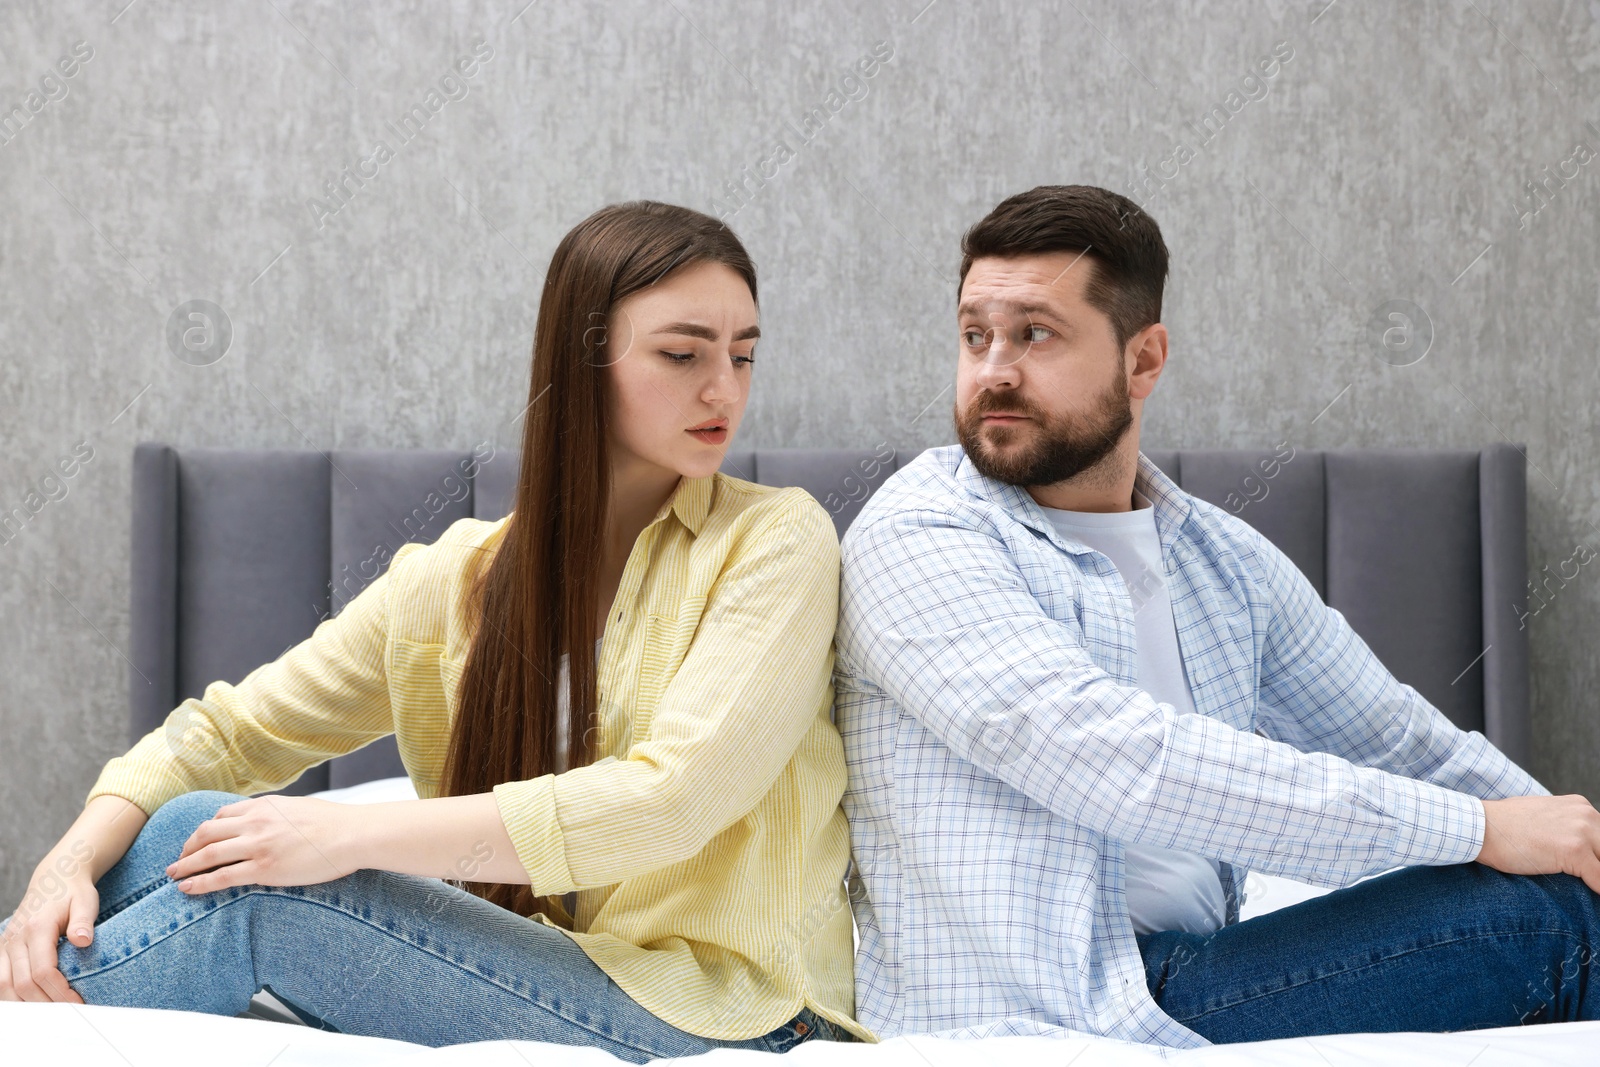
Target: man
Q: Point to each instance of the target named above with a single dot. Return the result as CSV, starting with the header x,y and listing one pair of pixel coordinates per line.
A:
x,y
1078,703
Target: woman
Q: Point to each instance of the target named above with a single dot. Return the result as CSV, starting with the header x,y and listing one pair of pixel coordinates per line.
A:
x,y
652,844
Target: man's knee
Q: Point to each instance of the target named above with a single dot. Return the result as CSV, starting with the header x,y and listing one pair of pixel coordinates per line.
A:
x,y
1560,900
1570,893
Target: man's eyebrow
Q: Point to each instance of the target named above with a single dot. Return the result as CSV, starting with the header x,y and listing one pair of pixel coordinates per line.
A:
x,y
706,333
972,308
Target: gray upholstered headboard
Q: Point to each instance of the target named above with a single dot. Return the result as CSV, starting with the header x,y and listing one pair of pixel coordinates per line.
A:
x,y
238,554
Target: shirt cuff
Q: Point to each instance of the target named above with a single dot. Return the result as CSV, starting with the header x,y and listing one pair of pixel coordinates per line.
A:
x,y
1434,826
528,809
145,786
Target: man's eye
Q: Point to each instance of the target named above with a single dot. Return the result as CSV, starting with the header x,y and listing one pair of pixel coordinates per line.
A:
x,y
969,336
1038,329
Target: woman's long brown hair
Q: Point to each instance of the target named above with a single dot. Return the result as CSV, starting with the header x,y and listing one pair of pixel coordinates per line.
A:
x,y
536,597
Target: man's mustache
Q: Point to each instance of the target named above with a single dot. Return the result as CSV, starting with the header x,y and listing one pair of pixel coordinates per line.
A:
x,y
985,403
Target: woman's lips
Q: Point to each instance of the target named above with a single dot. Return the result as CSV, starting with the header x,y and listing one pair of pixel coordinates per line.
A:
x,y
711,437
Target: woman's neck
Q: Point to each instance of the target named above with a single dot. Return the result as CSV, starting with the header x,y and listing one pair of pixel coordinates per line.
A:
x,y
638,490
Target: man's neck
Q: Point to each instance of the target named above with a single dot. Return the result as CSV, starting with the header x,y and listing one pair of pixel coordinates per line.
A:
x,y
1105,487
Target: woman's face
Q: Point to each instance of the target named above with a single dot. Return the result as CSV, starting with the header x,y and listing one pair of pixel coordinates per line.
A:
x,y
679,355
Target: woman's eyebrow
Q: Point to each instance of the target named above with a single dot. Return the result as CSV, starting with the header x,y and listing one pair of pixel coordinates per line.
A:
x,y
706,333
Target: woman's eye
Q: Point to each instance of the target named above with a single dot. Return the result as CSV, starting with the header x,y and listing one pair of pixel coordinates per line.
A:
x,y
679,357
746,360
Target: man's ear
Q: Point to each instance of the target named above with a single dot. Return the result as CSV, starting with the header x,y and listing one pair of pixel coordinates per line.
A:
x,y
1146,357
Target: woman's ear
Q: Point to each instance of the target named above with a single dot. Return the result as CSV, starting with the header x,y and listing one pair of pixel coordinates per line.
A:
x,y
618,336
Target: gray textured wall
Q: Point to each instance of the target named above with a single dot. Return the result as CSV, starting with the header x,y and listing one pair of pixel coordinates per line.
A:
x,y
1388,158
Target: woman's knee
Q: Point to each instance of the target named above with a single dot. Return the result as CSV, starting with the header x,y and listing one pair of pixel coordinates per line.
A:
x,y
188,810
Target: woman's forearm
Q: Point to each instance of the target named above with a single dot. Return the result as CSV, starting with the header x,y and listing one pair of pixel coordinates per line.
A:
x,y
462,838
98,838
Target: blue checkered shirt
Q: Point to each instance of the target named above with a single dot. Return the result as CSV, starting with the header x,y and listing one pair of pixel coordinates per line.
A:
x,y
1000,751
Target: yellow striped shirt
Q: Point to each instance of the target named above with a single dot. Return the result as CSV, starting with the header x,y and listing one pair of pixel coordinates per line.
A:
x,y
706,844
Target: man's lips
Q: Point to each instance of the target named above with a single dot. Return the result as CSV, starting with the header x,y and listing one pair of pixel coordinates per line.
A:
x,y
1002,416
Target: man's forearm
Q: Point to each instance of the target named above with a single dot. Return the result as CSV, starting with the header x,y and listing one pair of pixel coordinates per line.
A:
x,y
462,838
1476,767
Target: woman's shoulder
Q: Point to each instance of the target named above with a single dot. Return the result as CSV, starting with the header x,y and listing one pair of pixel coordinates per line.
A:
x,y
429,578
744,509
461,545
749,501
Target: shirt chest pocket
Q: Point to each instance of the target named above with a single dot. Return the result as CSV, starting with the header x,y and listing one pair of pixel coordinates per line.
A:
x,y
1218,642
1092,608
666,643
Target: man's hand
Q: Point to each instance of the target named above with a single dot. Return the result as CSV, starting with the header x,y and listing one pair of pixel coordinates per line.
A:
x,y
1542,835
269,840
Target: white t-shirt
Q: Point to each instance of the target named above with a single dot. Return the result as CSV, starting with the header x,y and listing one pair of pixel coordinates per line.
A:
x,y
1167,889
563,736
564,705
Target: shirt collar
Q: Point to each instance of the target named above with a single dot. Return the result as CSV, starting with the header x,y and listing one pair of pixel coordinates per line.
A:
x,y
690,502
1170,503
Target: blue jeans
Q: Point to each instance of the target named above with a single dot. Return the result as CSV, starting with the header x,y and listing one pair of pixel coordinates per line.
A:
x,y
375,953
1425,948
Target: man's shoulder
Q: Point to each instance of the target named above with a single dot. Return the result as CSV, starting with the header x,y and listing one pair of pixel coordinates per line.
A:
x,y
1226,532
928,482
931,467
1235,554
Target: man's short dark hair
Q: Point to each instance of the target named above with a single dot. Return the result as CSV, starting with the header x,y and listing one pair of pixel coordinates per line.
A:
x,y
1118,236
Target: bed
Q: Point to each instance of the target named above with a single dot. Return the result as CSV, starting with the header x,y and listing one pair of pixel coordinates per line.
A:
x,y
69,1035
1423,551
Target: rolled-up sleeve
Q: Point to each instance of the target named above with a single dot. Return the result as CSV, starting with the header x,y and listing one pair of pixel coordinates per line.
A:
x,y
323,697
754,680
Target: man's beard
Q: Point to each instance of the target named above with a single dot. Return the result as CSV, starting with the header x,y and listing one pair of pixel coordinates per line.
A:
x,y
1061,449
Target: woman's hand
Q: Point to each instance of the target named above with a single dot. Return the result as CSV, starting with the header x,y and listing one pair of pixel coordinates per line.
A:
x,y
269,840
62,898
30,963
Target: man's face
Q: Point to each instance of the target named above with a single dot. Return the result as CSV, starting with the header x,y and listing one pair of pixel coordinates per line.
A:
x,y
1041,388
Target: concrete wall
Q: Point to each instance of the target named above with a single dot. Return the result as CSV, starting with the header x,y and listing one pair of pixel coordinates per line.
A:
x,y
1387,158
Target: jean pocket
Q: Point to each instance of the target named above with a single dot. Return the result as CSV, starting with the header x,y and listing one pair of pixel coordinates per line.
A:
x,y
803,1027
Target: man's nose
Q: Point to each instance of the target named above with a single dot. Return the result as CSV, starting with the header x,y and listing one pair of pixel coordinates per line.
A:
x,y
1000,361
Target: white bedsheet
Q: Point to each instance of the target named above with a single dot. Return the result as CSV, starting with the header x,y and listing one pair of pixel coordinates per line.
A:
x,y
69,1035
64,1035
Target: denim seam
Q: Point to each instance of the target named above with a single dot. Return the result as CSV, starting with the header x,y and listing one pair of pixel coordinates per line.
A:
x,y
1351,970
110,911
258,890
